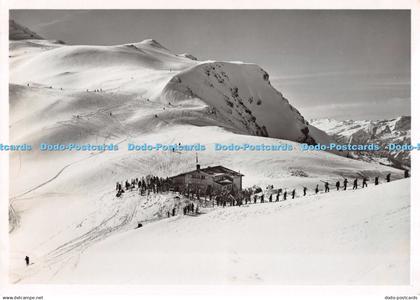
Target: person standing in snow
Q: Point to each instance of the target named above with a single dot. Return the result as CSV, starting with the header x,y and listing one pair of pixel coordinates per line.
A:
x,y
255,199
293,194
326,187
284,196
376,180
277,197
262,198
364,182
316,189
345,183
27,260
388,177
406,174
304,191
355,184
337,185
271,198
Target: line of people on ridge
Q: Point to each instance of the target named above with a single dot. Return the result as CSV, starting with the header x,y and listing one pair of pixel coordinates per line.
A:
x,y
338,186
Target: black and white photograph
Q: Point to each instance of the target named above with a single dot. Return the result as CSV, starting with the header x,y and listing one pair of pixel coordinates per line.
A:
x,y
218,147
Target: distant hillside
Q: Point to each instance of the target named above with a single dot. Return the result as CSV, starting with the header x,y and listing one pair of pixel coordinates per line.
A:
x,y
384,132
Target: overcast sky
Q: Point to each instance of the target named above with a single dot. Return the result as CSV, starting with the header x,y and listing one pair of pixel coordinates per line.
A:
x,y
346,64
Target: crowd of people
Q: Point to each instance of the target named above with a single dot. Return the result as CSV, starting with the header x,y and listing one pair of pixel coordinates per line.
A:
x,y
145,185
154,184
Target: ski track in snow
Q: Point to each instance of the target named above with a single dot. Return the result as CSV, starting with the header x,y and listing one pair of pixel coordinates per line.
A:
x,y
68,253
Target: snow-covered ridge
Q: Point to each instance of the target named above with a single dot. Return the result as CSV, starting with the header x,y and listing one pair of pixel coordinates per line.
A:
x,y
382,132
237,96
19,32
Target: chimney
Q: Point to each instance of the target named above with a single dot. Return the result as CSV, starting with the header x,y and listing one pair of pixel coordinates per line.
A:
x,y
198,167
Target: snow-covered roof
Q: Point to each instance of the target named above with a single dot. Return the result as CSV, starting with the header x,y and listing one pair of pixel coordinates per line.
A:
x,y
213,171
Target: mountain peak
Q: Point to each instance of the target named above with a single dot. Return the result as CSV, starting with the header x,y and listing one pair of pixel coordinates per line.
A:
x,y
19,32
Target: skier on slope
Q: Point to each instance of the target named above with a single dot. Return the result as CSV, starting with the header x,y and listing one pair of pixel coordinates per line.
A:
x,y
337,185
345,183
355,184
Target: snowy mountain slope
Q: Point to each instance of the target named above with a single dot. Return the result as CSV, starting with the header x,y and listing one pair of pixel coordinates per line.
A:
x,y
238,96
64,202
358,237
384,132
